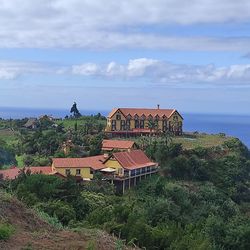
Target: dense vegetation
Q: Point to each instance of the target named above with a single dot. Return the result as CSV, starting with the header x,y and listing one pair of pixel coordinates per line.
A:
x,y
26,147
199,200
7,155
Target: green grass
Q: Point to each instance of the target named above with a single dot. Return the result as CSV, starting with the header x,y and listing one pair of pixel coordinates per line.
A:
x,y
191,141
201,140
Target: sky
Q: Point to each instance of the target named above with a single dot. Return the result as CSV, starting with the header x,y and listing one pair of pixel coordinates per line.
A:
x,y
192,55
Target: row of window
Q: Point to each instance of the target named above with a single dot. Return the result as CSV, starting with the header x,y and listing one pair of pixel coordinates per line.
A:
x,y
78,171
125,125
132,172
141,171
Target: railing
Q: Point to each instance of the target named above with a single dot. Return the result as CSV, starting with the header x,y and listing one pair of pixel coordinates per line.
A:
x,y
132,175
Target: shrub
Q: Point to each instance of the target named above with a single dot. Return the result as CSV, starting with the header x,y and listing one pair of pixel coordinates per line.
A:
x,y
59,209
6,230
53,221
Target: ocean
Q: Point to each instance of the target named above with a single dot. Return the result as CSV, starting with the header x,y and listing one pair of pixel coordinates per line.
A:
x,y
234,125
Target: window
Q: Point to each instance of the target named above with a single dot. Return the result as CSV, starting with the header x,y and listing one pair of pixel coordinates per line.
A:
x,y
113,127
132,172
164,125
78,172
118,117
137,124
141,123
138,171
175,118
92,171
170,126
156,123
128,124
123,125
67,171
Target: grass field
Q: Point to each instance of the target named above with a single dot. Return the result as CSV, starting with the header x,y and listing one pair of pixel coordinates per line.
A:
x,y
201,140
192,141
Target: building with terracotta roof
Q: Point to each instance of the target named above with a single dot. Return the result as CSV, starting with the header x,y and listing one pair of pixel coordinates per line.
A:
x,y
80,167
124,169
13,172
122,121
120,145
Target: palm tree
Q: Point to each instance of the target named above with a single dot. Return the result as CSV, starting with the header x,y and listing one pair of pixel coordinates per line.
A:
x,y
167,138
151,125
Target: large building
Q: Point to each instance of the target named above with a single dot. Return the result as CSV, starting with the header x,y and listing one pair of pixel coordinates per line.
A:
x,y
122,121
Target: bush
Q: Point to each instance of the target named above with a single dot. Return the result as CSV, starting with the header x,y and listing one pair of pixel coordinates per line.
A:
x,y
61,210
6,230
53,221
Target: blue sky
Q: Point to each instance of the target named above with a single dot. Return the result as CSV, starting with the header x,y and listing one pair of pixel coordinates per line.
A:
x,y
189,55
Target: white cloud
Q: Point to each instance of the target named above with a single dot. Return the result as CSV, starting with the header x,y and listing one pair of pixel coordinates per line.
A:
x,y
166,73
100,25
86,69
10,70
146,69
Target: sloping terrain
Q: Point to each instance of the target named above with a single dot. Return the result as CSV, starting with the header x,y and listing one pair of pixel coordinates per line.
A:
x,y
31,232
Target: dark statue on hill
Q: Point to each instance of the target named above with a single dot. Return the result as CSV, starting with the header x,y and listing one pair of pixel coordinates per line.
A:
x,y
75,111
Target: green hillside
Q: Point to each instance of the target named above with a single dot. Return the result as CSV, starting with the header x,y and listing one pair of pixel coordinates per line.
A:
x,y
200,199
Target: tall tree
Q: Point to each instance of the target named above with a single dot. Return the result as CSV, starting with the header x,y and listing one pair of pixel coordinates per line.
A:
x,y
75,110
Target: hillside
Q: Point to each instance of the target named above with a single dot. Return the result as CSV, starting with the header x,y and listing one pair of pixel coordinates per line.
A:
x,y
31,232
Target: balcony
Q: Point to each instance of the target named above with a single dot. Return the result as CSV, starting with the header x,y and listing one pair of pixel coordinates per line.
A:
x,y
133,174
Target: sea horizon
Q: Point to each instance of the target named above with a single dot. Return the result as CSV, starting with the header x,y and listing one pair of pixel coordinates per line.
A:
x,y
237,125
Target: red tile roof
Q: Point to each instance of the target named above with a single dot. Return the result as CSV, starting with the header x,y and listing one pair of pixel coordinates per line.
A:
x,y
143,111
40,170
10,174
117,144
94,162
13,172
133,159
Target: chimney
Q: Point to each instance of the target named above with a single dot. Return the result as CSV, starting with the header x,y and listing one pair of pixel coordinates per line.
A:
x,y
158,106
